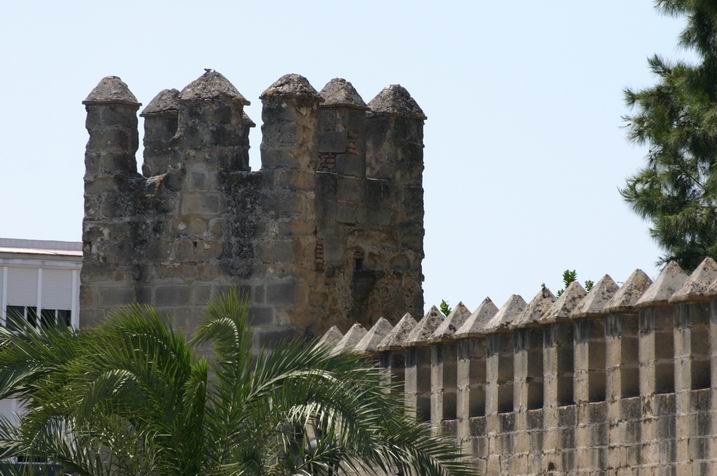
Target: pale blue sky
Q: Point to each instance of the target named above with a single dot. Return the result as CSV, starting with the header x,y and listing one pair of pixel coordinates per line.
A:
x,y
524,146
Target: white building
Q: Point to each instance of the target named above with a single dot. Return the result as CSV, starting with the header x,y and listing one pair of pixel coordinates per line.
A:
x,y
39,282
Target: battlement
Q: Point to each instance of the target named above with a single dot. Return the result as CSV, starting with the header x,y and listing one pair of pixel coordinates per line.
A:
x,y
328,231
617,380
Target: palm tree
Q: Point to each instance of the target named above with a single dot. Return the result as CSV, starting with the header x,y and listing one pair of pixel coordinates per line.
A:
x,y
132,397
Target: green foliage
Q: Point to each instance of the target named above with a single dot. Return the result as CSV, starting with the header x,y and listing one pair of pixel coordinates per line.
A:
x,y
133,397
445,308
568,277
676,190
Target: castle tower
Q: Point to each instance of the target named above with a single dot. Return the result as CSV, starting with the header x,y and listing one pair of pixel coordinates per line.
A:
x,y
312,238
394,155
111,180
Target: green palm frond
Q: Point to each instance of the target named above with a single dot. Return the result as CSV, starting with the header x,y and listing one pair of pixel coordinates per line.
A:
x,y
133,391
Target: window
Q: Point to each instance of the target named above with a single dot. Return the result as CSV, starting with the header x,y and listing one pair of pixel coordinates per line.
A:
x,y
47,317
15,315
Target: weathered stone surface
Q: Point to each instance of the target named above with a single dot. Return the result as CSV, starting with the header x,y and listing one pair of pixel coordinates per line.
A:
x,y
670,280
597,299
167,100
423,331
453,321
314,238
629,293
291,85
330,338
565,304
247,120
699,286
395,339
511,310
111,90
350,339
369,343
212,85
536,308
396,100
477,321
339,92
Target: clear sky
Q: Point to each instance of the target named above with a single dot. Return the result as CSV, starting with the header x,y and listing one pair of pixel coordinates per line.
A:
x,y
525,148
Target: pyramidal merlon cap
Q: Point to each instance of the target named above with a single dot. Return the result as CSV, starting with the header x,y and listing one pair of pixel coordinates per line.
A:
x,y
627,296
422,333
339,92
566,303
598,297
349,341
398,335
291,85
536,308
330,338
211,85
396,100
369,343
513,307
167,100
476,322
453,321
670,280
111,90
697,286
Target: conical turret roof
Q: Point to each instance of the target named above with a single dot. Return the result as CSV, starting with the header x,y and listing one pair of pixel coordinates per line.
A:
x,y
339,92
111,90
396,100
477,321
398,335
210,85
247,120
291,85
167,100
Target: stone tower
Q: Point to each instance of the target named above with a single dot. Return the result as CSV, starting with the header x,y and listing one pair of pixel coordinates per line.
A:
x,y
329,231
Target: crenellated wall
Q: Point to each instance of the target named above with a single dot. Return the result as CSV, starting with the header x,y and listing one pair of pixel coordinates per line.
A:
x,y
328,231
618,380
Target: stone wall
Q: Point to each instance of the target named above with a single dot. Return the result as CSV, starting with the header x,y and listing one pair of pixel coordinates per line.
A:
x,y
328,231
618,380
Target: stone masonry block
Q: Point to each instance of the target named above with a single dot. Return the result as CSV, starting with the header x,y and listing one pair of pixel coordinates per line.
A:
x,y
200,203
280,293
335,142
171,295
261,316
351,165
348,214
116,296
349,189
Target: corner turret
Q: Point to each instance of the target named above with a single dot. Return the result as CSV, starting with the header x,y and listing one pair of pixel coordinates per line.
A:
x,y
160,126
111,180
